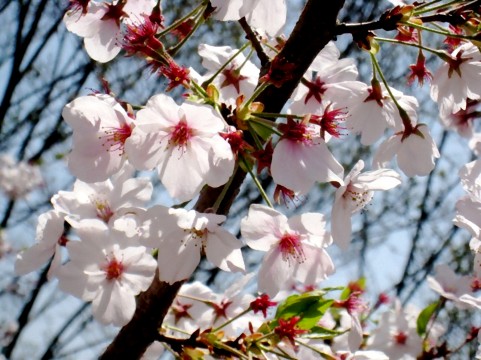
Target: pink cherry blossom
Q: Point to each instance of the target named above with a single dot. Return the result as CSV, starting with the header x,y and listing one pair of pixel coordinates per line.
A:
x,y
182,236
301,157
294,247
354,195
100,25
100,128
183,142
415,153
108,268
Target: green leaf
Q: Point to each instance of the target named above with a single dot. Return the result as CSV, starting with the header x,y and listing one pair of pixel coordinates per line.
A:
x,y
319,332
262,130
309,306
424,317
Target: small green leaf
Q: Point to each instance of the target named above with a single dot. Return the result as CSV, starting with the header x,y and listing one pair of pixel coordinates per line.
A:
x,y
260,129
309,306
424,317
319,332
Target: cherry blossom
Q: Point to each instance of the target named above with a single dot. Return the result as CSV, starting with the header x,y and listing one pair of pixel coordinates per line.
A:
x,y
396,336
373,111
461,121
302,157
105,200
100,25
330,80
239,76
415,153
182,236
449,285
108,268
190,310
354,195
355,307
458,79
295,247
100,128
49,237
269,15
11,171
468,207
181,140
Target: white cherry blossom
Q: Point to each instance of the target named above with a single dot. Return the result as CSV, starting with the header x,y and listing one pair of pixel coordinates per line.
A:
x,y
105,200
449,285
458,79
396,335
415,153
330,80
100,129
183,142
108,268
269,15
354,195
239,77
373,111
49,236
182,236
10,173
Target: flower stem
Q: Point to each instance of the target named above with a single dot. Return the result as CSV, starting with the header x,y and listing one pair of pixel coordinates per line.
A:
x,y
222,68
436,31
221,196
231,320
258,184
181,20
408,126
256,93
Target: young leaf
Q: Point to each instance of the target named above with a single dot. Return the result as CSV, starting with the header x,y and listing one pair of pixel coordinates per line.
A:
x,y
424,317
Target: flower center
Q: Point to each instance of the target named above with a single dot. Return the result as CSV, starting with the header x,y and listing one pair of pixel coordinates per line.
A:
x,y
297,131
181,311
102,207
291,248
232,77
115,12
400,338
455,63
113,269
115,138
316,90
181,134
357,199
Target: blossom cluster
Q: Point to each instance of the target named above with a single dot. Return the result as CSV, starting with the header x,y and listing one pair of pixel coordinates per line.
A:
x,y
105,241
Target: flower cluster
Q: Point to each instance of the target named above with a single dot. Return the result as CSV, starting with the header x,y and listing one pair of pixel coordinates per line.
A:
x,y
106,242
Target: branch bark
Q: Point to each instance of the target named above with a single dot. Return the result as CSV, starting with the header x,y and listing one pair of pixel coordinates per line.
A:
x,y
314,29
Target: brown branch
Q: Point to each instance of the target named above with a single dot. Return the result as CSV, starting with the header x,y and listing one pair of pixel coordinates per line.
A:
x,y
252,36
313,31
388,23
